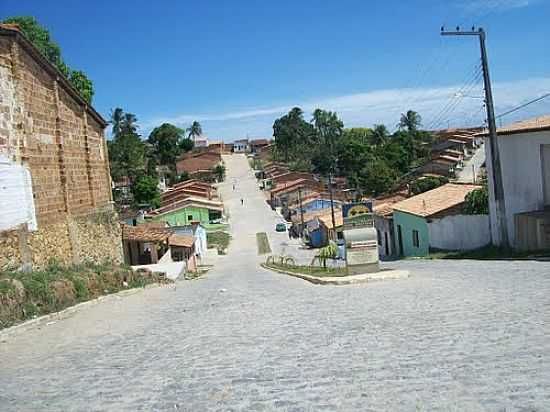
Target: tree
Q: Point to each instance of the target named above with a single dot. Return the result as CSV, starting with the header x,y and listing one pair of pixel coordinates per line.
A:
x,y
117,117
410,121
126,157
195,130
40,38
128,124
166,143
145,191
427,183
293,136
186,145
84,85
477,202
328,130
379,135
219,172
376,178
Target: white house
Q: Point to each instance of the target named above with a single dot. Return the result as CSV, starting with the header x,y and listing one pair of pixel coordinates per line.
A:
x,y
241,146
524,150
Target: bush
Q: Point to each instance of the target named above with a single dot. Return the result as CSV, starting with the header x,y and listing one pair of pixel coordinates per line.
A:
x,y
477,202
427,183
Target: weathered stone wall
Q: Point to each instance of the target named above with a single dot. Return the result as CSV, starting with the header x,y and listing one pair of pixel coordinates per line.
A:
x,y
95,237
60,139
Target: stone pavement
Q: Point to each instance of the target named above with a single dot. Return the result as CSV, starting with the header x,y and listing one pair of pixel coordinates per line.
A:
x,y
457,335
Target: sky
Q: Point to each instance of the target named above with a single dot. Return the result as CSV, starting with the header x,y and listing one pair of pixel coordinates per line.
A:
x,y
236,66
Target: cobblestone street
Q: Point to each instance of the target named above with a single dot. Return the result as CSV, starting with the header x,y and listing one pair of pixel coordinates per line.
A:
x,y
457,335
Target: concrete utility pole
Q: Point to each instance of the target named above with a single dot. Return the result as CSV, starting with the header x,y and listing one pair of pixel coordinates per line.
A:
x,y
332,204
498,188
301,212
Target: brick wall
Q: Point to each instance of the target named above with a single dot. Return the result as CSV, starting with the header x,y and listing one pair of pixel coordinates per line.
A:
x,y
45,126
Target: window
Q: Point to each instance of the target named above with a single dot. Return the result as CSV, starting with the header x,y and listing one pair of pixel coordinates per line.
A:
x,y
379,236
189,218
416,240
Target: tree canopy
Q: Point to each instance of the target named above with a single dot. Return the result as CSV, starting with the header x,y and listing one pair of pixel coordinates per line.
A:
x,y
40,37
166,141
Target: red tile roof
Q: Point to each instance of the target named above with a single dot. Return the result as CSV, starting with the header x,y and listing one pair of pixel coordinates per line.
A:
x,y
436,200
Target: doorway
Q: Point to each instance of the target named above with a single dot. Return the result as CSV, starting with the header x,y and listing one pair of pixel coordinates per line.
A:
x,y
545,161
400,240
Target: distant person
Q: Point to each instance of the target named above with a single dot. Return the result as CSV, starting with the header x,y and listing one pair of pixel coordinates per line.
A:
x,y
242,201
233,186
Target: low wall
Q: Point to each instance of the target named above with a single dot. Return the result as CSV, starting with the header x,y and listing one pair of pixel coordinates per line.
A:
x,y
92,237
460,232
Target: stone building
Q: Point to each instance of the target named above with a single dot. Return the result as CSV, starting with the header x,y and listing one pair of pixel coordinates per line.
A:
x,y
55,186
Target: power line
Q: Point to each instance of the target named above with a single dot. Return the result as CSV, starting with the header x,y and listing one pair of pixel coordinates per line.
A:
x,y
515,109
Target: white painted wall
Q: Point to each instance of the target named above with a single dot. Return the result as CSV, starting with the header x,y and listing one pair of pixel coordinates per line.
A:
x,y
16,198
459,232
520,157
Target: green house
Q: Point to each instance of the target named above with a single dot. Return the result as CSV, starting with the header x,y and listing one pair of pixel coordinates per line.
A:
x,y
415,218
184,212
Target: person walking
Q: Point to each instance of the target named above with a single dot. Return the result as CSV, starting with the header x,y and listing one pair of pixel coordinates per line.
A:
x,y
242,201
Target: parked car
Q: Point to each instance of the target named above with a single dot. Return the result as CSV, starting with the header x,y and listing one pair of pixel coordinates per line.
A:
x,y
280,227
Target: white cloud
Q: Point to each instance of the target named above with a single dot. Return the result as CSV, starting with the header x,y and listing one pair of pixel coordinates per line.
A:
x,y
366,109
488,6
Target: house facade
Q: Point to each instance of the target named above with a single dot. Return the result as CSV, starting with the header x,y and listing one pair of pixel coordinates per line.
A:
x,y
241,146
55,181
185,212
524,151
433,220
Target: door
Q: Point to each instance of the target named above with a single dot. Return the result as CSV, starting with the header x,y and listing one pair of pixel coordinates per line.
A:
x,y
545,160
400,240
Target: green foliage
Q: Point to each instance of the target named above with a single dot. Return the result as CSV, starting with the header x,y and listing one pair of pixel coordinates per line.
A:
x,y
219,172
166,143
477,202
40,38
427,183
375,178
186,145
126,156
83,84
145,191
371,159
195,130
182,177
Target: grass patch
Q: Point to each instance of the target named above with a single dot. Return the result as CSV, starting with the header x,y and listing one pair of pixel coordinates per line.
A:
x,y
24,295
489,253
263,243
310,270
218,240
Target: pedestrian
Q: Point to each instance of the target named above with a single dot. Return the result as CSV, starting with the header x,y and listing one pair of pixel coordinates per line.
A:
x,y
242,201
233,186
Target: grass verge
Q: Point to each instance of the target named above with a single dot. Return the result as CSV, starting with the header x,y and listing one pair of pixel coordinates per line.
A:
x,y
263,243
309,270
28,295
489,253
218,240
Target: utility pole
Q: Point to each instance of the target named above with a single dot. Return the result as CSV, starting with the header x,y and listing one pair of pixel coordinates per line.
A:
x,y
498,188
301,212
332,204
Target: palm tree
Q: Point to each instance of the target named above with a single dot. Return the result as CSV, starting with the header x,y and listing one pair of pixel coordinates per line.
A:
x,y
195,130
410,121
379,134
117,116
129,125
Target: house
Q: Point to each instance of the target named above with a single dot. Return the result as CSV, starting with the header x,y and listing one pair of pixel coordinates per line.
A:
x,y
524,151
289,193
383,222
183,212
434,220
198,165
55,184
257,145
285,177
266,152
318,227
153,243
188,188
216,147
200,142
241,146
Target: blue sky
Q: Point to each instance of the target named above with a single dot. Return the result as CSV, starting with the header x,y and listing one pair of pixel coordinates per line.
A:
x,y
235,66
